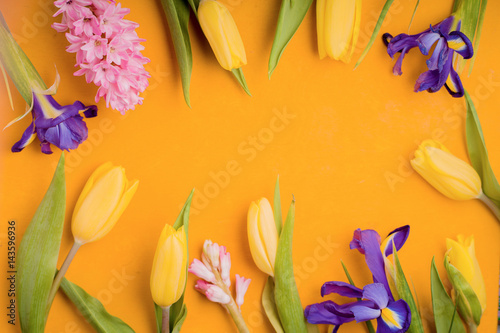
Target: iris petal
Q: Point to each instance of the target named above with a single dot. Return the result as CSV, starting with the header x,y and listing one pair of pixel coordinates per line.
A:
x,y
396,318
377,293
363,313
459,42
318,314
398,237
341,288
425,42
454,84
27,137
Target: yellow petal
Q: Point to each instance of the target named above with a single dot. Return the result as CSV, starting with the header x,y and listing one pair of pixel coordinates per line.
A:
x,y
257,248
267,229
320,26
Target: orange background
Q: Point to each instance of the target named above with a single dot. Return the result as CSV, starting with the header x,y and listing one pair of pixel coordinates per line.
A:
x,y
343,153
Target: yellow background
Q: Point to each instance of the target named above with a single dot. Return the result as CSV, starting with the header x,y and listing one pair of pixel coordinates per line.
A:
x,y
343,153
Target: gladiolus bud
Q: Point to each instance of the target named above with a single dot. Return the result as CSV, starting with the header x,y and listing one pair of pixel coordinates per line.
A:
x,y
338,24
466,278
448,174
168,276
103,199
220,29
262,235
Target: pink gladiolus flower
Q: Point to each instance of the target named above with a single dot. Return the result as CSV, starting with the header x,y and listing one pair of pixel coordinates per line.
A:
x,y
108,50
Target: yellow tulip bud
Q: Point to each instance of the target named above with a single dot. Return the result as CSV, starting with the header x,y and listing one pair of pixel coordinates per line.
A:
x,y
104,198
338,23
448,174
222,34
168,275
462,256
262,235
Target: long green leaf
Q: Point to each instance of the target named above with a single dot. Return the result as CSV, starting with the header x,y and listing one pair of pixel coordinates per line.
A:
x,y
177,14
368,323
466,299
292,12
178,310
93,310
17,64
380,20
194,5
286,292
38,253
269,304
404,292
442,305
413,15
478,154
238,74
479,30
278,219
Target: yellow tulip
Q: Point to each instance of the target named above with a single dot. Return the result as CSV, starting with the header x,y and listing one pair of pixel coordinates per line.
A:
x,y
104,198
448,174
462,256
220,29
337,23
262,235
168,275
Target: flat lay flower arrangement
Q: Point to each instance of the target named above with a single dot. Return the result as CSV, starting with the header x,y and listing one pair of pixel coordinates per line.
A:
x,y
250,166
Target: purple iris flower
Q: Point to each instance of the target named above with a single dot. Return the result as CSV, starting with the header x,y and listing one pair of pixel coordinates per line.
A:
x,y
440,64
62,126
392,316
377,301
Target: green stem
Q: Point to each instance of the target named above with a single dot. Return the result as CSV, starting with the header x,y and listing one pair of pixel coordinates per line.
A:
x,y
472,328
490,204
237,317
165,319
60,275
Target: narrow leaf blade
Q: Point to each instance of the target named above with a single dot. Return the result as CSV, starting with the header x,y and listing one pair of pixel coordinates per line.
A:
x,y
238,74
159,317
290,17
93,310
286,292
478,154
442,305
380,20
269,304
177,14
38,253
404,292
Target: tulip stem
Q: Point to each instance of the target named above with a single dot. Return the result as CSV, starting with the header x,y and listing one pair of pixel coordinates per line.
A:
x,y
165,319
60,275
490,204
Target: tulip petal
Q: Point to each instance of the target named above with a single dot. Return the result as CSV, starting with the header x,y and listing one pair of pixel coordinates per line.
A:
x,y
257,248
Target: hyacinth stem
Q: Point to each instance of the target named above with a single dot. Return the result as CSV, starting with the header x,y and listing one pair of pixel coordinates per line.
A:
x,y
165,319
236,315
490,204
231,307
60,275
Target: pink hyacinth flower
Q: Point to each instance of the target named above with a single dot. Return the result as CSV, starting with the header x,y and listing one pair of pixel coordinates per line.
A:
x,y
108,50
241,288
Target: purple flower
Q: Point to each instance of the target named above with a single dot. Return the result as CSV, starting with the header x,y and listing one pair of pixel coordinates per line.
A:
x,y
376,303
440,64
62,126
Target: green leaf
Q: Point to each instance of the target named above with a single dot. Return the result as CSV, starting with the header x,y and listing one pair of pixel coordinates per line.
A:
x,y
178,311
194,5
93,310
292,12
38,253
159,317
177,14
404,292
479,30
368,323
17,64
467,302
286,293
478,153
312,328
278,219
413,15
381,18
269,304
238,74
443,306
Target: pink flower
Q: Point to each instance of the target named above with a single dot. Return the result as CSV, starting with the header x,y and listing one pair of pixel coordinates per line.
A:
x,y
241,288
201,271
108,50
210,255
212,292
225,265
